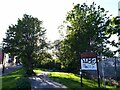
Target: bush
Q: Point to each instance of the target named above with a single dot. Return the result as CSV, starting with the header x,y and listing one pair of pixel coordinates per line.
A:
x,y
23,83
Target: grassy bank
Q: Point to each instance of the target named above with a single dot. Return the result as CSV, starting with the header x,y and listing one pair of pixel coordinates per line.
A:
x,y
9,80
39,70
70,80
73,81
15,79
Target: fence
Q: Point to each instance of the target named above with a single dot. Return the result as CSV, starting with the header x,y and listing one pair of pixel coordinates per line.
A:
x,y
108,68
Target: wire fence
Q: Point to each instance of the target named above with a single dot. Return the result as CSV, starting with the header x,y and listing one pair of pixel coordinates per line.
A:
x,y
109,68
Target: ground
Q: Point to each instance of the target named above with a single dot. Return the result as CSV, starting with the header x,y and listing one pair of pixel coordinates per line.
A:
x,y
42,81
9,69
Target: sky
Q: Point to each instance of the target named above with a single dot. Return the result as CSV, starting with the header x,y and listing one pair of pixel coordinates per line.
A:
x,y
51,12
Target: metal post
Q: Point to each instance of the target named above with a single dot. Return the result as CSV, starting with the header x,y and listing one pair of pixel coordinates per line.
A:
x,y
81,78
103,73
80,74
98,73
115,69
3,62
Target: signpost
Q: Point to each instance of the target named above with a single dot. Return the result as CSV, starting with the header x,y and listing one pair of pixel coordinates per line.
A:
x,y
89,62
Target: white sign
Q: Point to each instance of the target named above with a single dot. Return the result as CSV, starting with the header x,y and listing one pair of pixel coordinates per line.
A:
x,y
88,64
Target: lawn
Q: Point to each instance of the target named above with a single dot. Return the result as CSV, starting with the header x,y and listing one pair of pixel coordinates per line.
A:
x,y
68,79
73,81
9,80
39,70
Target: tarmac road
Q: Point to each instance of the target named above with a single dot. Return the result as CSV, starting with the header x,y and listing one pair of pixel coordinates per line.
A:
x,y
9,69
38,82
42,82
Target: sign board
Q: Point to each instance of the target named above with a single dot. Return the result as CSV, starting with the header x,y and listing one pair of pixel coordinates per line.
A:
x,y
88,64
88,61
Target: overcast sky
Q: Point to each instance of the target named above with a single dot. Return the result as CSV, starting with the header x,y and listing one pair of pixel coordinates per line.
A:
x,y
51,12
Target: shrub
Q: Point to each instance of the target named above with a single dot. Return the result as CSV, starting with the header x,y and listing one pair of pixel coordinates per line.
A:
x,y
23,83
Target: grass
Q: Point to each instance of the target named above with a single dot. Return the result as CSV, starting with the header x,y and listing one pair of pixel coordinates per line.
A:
x,y
9,80
38,70
68,79
73,81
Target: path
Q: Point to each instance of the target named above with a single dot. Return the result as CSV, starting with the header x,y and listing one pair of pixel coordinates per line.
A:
x,y
9,69
42,82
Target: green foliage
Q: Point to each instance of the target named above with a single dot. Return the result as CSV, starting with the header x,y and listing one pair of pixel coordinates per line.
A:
x,y
26,39
87,31
43,59
115,23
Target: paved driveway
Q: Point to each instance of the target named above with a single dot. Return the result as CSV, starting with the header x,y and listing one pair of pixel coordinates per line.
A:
x,y
42,82
9,69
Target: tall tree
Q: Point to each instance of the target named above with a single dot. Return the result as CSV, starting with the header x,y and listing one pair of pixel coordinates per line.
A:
x,y
25,40
115,23
87,30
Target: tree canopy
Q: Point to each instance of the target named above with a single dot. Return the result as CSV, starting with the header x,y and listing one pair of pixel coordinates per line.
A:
x,y
25,40
87,31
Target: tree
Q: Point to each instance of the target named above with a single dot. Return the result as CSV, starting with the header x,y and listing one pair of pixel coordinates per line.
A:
x,y
87,31
25,40
115,24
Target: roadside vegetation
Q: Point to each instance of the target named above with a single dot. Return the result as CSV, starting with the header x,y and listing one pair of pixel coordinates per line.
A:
x,y
73,81
37,70
9,80
15,80
87,29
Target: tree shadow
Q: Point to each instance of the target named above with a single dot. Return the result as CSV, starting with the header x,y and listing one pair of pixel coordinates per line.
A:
x,y
76,85
9,80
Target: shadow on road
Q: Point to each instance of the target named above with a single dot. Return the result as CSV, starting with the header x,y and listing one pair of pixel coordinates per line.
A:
x,y
42,82
9,69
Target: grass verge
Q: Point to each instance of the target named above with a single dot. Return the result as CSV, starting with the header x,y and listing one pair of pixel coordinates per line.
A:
x,y
73,81
38,70
10,80
16,78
